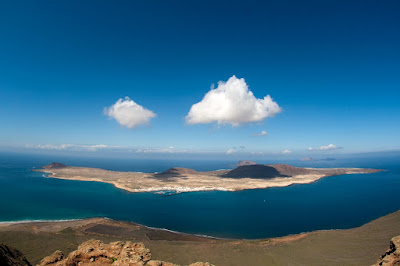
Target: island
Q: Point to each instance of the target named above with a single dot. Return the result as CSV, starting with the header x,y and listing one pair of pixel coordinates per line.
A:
x,y
178,179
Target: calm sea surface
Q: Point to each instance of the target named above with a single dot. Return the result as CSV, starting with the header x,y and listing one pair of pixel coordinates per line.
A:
x,y
331,203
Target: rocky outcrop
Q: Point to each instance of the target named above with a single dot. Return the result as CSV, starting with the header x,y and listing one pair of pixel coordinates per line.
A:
x,y
95,252
55,165
11,257
392,255
53,259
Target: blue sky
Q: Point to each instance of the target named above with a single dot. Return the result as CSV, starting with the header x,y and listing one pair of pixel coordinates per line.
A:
x,y
333,67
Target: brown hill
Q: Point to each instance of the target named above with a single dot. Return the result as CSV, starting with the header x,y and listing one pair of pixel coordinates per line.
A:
x,y
176,172
54,165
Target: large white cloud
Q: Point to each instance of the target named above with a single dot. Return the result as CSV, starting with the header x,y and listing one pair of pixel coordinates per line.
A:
x,y
325,148
231,103
128,113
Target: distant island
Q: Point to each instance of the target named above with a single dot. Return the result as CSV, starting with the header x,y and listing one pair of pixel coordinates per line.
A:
x,y
247,175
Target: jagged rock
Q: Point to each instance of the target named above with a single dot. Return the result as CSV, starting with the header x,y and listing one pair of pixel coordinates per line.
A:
x,y
11,257
392,255
53,258
95,252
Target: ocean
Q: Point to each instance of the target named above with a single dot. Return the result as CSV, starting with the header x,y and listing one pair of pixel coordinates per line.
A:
x,y
336,202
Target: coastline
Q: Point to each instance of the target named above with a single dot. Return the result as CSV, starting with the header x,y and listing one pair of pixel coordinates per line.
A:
x,y
361,245
4,224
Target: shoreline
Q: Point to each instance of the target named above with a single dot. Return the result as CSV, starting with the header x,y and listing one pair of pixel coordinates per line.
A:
x,y
361,245
43,221
133,223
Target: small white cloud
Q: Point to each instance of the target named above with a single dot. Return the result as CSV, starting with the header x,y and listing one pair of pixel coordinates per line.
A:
x,y
286,151
325,148
231,103
230,151
128,113
262,133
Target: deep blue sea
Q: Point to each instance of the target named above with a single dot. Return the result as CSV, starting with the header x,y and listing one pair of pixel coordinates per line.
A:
x,y
335,202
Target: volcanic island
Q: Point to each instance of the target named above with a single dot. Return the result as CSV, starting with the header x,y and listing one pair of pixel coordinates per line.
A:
x,y
177,179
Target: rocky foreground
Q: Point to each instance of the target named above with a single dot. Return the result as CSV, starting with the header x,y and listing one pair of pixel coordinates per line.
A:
x,y
177,179
92,252
95,252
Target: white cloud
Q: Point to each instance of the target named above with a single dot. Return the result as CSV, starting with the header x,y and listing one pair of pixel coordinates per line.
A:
x,y
324,148
231,103
262,133
128,113
286,151
230,151
77,147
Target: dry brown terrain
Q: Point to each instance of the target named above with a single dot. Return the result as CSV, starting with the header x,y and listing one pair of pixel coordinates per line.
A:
x,y
359,246
185,180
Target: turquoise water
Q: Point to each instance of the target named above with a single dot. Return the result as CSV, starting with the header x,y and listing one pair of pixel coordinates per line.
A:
x,y
331,203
